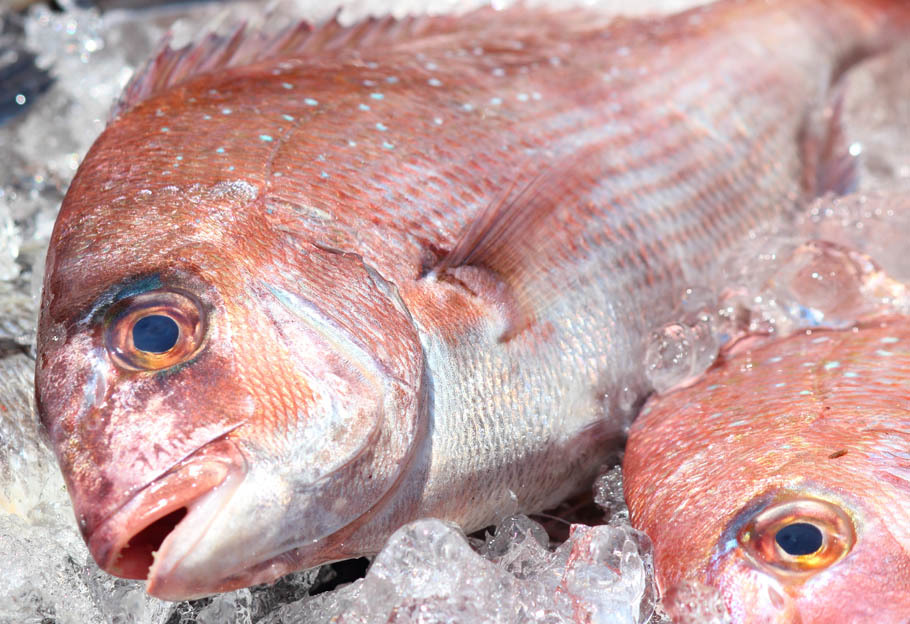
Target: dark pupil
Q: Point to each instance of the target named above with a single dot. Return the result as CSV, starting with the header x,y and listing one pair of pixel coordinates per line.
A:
x,y
799,538
155,333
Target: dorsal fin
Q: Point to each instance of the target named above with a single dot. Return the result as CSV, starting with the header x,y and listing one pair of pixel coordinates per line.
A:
x,y
511,236
169,67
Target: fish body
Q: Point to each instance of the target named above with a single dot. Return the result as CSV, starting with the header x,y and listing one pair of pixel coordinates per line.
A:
x,y
782,478
304,290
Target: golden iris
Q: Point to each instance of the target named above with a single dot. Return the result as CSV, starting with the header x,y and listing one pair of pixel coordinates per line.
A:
x,y
155,330
798,537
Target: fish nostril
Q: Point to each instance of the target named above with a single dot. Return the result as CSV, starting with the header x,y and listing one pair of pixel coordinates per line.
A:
x,y
135,559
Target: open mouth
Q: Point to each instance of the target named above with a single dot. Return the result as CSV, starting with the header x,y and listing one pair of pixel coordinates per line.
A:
x,y
151,534
134,560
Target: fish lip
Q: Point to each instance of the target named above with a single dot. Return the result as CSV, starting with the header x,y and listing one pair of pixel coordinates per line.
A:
x,y
197,478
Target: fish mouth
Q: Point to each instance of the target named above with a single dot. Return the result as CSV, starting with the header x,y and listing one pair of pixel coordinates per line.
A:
x,y
150,534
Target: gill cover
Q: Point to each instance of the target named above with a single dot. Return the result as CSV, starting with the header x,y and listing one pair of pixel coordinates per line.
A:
x,y
342,441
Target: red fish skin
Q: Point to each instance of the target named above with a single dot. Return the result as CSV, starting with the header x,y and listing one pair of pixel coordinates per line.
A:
x,y
304,201
819,415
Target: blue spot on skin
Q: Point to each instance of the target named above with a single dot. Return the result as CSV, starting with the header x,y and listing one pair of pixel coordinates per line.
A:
x,y
266,138
522,97
776,358
496,101
716,415
376,96
206,117
220,150
850,374
352,143
467,107
434,82
323,175
832,365
713,387
180,158
388,145
287,118
381,127
883,353
287,85
268,211
890,340
780,385
310,102
392,79
364,107
226,111
804,392
165,129
231,168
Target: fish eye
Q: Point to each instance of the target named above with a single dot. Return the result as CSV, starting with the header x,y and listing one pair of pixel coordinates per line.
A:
x,y
797,537
155,330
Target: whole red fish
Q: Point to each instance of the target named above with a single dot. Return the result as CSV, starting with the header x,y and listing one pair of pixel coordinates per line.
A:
x,y
782,478
307,288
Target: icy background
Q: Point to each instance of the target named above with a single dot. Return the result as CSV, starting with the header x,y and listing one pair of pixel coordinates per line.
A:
x,y
59,73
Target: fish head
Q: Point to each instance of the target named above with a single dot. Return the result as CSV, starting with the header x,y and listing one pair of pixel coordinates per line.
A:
x,y
218,397
782,479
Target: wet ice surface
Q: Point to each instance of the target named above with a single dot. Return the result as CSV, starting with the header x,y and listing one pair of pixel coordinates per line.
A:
x,y
429,572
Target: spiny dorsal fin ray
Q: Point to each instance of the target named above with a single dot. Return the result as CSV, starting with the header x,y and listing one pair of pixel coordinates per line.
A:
x,y
510,237
169,67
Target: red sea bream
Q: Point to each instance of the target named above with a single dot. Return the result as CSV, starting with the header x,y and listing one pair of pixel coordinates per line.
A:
x,y
309,287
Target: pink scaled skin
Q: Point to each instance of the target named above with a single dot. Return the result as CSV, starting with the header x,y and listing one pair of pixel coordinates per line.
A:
x,y
813,428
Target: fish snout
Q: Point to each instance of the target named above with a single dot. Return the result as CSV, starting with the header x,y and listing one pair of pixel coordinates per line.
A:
x,y
181,502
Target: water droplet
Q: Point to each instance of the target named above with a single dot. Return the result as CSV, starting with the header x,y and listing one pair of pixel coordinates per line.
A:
x,y
669,356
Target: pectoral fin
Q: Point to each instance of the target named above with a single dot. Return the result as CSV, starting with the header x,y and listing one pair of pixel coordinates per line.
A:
x,y
514,236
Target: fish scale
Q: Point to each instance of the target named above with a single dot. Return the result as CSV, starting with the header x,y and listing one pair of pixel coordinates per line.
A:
x,y
425,296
